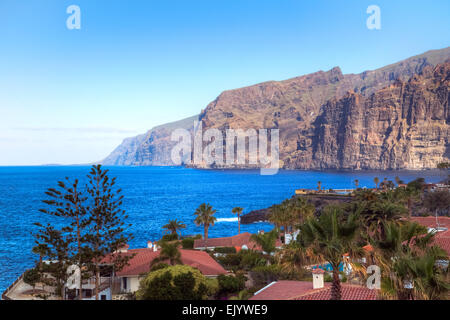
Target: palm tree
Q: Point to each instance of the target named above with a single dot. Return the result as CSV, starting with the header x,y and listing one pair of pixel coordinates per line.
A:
x,y
282,216
170,252
376,213
290,214
366,195
430,280
410,263
267,240
319,185
384,183
303,209
238,211
356,183
292,257
205,217
407,196
329,238
174,226
376,180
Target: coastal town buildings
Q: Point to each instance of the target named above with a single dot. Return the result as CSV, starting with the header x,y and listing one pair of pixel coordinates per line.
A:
x,y
113,285
239,241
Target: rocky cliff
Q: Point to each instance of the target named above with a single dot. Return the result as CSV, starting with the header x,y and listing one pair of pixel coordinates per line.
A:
x,y
402,126
395,117
150,149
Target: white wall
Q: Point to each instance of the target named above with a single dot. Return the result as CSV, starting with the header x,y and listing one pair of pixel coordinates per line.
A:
x,y
132,284
106,292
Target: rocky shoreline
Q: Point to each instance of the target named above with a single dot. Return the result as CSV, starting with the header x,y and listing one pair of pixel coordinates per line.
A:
x,y
319,201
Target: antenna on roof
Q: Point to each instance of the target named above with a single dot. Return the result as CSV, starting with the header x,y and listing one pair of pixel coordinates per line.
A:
x,y
437,221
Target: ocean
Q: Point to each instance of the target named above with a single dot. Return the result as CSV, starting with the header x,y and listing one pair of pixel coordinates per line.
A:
x,y
153,195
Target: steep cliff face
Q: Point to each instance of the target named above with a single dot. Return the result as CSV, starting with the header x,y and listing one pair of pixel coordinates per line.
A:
x,y
150,149
389,118
403,126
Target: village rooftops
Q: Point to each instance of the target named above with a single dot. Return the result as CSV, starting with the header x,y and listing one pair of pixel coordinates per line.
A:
x,y
303,290
140,263
442,231
237,241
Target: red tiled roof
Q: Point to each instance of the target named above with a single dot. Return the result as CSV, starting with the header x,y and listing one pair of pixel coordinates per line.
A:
x,y
283,290
442,238
430,221
348,292
303,290
318,271
140,263
238,240
444,243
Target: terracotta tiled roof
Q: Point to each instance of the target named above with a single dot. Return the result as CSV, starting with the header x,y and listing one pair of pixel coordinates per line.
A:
x,y
303,290
235,241
442,238
140,263
430,221
318,271
349,292
444,243
283,290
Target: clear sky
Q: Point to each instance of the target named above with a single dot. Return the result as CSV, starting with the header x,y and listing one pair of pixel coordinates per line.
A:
x,y
71,96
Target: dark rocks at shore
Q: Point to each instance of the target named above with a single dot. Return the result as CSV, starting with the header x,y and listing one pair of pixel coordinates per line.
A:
x,y
319,201
260,215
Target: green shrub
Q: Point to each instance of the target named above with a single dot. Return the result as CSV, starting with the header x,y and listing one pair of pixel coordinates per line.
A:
x,y
188,243
230,261
31,277
170,237
213,286
230,284
225,250
243,260
251,259
178,282
243,295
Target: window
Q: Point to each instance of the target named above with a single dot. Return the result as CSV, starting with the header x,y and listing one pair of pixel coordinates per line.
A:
x,y
103,297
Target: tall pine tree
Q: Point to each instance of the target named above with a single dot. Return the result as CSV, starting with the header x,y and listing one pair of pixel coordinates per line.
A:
x,y
68,202
90,226
106,222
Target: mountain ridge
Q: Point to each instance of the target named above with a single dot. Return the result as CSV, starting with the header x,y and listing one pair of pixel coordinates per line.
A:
x,y
293,106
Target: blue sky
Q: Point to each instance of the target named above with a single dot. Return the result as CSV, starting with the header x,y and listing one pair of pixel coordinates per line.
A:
x,y
71,96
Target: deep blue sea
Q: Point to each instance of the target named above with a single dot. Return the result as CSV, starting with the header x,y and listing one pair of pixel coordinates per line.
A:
x,y
153,195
